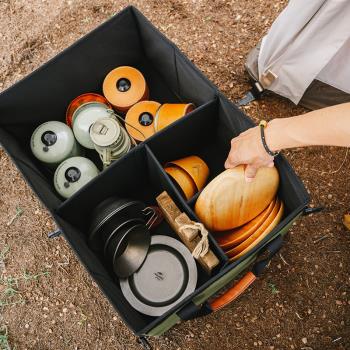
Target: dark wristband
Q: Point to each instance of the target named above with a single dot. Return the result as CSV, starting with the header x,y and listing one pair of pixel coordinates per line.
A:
x,y
262,125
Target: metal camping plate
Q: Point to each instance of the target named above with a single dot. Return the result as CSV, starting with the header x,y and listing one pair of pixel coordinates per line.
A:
x,y
167,276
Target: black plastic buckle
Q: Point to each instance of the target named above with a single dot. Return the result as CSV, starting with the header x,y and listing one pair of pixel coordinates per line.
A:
x,y
191,311
254,94
54,234
144,343
309,210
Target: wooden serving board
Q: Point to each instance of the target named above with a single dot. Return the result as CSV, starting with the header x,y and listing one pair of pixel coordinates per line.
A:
x,y
176,219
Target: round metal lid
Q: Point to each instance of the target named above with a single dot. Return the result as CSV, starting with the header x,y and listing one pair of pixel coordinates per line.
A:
x,y
105,132
86,115
81,100
167,276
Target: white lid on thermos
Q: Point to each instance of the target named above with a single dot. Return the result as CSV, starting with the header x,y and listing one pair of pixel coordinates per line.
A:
x,y
73,174
84,117
53,142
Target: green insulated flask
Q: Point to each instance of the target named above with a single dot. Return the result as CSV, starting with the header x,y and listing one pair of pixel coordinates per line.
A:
x,y
53,142
73,174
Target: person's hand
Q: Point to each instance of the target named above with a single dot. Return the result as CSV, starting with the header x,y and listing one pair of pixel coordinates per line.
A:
x,y
247,149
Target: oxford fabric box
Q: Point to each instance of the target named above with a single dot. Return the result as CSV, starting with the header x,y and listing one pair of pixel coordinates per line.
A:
x,y
129,39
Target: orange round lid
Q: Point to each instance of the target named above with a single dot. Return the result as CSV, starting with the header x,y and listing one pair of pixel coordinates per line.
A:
x,y
228,239
195,167
272,221
182,179
139,120
169,113
81,100
124,86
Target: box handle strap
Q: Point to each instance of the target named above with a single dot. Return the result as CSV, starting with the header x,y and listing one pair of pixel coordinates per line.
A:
x,y
191,310
234,292
243,284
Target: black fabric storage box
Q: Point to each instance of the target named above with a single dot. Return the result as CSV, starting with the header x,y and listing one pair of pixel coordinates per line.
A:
x,y
129,39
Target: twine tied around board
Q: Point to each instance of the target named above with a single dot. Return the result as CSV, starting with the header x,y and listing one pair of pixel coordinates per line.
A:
x,y
202,247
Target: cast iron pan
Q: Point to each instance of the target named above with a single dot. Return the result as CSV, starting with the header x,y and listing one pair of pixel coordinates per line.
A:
x,y
128,249
168,275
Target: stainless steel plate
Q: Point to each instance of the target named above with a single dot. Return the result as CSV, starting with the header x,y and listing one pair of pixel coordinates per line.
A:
x,y
167,276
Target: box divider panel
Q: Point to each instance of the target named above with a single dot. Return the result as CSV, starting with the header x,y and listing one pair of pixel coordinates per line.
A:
x,y
182,204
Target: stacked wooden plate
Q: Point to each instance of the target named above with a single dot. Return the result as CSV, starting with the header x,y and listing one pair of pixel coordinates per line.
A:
x,y
240,240
241,214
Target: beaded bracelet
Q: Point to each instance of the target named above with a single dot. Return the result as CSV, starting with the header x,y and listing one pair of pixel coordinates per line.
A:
x,y
263,125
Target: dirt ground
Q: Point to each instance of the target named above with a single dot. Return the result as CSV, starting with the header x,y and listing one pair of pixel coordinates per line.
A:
x,y
48,301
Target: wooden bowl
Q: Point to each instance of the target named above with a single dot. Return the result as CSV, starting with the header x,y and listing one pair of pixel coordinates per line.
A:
x,y
229,239
228,201
184,181
254,239
195,167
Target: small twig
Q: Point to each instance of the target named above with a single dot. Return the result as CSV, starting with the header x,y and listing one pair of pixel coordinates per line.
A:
x,y
282,258
63,263
335,171
320,239
337,339
300,318
61,267
19,212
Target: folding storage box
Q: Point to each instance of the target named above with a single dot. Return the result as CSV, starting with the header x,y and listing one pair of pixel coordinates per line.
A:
x,y
129,39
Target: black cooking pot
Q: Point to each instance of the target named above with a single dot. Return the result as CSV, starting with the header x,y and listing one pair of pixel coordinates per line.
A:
x,y
109,215
127,249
